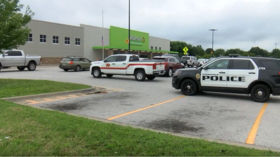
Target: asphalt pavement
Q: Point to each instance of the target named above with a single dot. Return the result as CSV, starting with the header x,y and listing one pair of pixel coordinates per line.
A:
x,y
156,105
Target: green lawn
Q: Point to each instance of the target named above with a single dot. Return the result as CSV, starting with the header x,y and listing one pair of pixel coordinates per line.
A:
x,y
36,132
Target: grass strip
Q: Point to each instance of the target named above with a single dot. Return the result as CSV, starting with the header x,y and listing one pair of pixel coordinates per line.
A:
x,y
29,131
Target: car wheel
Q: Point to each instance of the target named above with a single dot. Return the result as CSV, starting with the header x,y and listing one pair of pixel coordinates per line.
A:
x,y
260,93
189,87
96,73
151,77
65,69
140,75
31,66
20,68
109,75
78,68
169,72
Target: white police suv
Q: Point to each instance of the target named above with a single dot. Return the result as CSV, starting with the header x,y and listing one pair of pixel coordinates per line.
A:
x,y
257,76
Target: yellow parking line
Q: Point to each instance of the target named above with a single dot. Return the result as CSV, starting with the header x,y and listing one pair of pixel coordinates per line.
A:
x,y
125,114
47,99
60,97
31,101
72,96
252,135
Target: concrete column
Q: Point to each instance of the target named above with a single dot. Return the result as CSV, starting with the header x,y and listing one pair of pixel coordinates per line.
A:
x,y
151,55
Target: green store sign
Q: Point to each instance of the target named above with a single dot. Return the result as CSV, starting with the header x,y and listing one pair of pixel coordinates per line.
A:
x,y
137,40
119,38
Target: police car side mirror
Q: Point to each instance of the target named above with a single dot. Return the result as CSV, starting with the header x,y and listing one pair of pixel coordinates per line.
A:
x,y
205,68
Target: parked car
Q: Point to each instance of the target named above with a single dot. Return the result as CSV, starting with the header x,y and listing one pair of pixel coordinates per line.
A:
x,y
202,61
189,61
17,58
74,63
127,64
173,55
171,64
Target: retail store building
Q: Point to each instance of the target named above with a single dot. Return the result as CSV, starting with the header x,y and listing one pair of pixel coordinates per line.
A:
x,y
54,41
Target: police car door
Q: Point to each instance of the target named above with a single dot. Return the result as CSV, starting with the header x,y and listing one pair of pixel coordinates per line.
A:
x,y
242,72
213,76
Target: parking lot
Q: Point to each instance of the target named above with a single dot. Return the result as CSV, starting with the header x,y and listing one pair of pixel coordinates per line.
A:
x,y
156,105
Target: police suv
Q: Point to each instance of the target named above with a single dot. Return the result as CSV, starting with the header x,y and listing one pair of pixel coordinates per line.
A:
x,y
257,76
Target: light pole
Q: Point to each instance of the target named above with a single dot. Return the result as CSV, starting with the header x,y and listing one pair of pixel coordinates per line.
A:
x,y
275,45
128,26
212,37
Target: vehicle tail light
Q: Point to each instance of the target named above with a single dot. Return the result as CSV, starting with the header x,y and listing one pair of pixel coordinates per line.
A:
x,y
71,62
154,66
279,72
190,60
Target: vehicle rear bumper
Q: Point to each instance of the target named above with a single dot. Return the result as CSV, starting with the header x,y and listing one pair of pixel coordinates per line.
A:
x,y
159,72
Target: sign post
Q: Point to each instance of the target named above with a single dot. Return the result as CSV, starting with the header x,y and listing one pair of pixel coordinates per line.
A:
x,y
185,49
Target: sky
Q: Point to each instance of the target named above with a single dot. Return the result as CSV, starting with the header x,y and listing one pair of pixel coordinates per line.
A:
x,y
240,23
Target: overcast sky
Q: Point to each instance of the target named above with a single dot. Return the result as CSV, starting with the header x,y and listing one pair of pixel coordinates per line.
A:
x,y
240,23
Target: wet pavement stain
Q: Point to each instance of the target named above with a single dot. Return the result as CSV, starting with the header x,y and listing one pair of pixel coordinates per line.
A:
x,y
82,103
67,107
173,125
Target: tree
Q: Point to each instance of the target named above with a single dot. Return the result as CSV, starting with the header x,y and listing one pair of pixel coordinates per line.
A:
x,y
198,50
178,46
275,53
259,52
234,51
219,52
14,31
208,50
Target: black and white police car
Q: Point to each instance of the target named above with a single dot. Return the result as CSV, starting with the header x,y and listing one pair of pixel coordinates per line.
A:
x,y
257,76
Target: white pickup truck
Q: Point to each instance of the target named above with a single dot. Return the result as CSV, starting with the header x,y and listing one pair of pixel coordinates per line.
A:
x,y
17,58
127,64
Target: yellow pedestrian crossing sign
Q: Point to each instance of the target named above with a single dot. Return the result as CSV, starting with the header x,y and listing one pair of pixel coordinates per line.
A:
x,y
185,49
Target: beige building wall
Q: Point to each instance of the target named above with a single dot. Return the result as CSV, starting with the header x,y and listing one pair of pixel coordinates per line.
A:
x,y
164,44
50,49
92,37
89,36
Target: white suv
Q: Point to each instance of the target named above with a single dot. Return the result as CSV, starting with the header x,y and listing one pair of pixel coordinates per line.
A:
x,y
189,61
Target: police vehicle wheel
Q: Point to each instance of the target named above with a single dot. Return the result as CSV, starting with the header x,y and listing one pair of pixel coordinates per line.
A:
x,y
96,73
260,93
189,87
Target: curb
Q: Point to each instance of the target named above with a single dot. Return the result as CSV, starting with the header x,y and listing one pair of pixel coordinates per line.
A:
x,y
93,89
